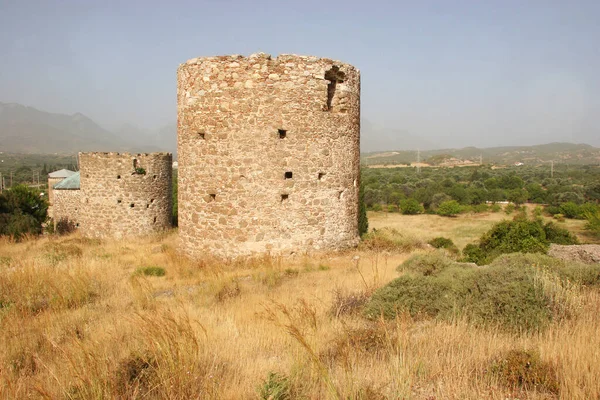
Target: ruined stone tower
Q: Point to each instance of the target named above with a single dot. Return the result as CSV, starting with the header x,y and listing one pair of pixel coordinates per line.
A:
x,y
125,195
268,154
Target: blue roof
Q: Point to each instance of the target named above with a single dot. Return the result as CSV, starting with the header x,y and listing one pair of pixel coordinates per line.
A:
x,y
70,183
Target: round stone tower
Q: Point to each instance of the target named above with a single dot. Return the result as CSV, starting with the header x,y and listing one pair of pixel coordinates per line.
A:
x,y
125,195
268,154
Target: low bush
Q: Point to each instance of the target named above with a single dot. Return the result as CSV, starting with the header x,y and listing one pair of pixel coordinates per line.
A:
x,y
503,296
510,208
373,338
64,226
348,303
444,243
569,209
519,235
520,369
593,222
574,272
426,264
480,208
449,208
411,207
151,271
387,239
275,387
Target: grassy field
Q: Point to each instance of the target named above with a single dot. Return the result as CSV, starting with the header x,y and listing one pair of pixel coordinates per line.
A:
x,y
87,319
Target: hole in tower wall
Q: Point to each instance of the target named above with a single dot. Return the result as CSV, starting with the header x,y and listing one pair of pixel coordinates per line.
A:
x,y
211,197
334,76
154,220
284,197
118,176
132,205
288,175
282,133
119,201
202,135
135,163
321,175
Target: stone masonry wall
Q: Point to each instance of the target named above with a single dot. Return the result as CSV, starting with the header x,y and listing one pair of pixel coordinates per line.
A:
x,y
268,154
51,183
67,204
119,200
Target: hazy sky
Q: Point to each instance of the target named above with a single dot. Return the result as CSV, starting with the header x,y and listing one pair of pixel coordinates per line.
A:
x,y
457,73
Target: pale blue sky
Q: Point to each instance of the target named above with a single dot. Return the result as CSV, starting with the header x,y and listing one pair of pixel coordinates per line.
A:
x,y
456,73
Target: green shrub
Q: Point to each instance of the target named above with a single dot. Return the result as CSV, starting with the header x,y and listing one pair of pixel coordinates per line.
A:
x,y
519,369
151,271
559,217
387,239
426,264
552,210
569,210
480,208
578,273
520,235
501,296
363,222
449,208
558,235
444,243
275,387
473,253
411,207
593,222
64,226
509,209
22,212
495,208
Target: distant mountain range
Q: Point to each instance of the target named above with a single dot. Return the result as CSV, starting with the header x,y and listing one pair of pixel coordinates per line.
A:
x,y
28,130
566,153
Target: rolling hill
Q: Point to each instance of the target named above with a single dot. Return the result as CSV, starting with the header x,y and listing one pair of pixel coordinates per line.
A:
x,y
566,153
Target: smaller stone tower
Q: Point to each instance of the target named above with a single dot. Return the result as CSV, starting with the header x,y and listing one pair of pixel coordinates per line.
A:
x,y
54,178
124,194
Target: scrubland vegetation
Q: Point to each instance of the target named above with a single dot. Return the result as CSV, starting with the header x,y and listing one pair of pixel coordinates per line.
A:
x,y
570,192
400,317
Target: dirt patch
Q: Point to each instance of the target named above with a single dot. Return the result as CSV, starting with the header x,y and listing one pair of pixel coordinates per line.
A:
x,y
585,253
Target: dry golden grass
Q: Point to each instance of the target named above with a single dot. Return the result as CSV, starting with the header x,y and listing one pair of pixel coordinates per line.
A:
x,y
79,323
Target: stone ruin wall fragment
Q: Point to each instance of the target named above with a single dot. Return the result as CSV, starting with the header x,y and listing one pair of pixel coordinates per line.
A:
x,y
67,205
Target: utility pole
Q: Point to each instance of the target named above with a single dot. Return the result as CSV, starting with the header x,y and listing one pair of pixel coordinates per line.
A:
x,y
480,159
418,161
552,169
1,182
11,183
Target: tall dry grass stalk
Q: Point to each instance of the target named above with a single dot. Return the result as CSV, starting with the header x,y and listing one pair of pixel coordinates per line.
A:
x,y
77,322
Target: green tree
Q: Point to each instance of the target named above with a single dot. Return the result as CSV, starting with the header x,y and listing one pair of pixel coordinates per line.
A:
x,y
22,211
363,222
449,208
518,196
411,207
